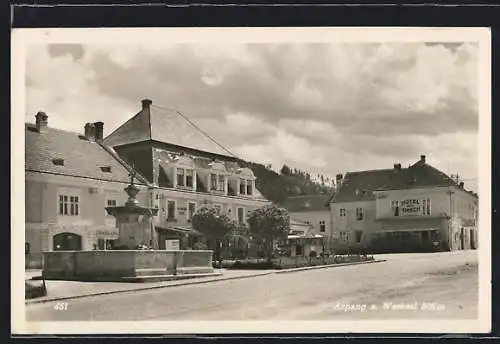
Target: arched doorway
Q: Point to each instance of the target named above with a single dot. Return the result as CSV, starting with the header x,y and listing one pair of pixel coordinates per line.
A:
x,y
67,242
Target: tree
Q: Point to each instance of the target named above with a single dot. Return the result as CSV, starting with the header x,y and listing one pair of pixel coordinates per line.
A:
x,y
214,225
269,223
285,170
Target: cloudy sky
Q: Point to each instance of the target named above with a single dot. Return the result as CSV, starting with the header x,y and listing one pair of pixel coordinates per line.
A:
x,y
324,108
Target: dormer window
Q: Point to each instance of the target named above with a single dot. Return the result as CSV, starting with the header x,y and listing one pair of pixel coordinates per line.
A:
x,y
189,178
213,182
58,162
242,186
180,177
249,187
106,169
185,177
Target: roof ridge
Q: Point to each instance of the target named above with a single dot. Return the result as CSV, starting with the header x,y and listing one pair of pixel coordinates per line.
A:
x,y
57,129
198,129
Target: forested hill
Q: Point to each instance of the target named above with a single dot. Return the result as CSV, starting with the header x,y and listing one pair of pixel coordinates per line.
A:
x,y
276,187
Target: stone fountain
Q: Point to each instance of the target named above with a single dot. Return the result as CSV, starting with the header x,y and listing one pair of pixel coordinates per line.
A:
x,y
128,263
134,222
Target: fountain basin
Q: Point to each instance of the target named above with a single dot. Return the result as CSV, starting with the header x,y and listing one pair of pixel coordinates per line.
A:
x,y
126,265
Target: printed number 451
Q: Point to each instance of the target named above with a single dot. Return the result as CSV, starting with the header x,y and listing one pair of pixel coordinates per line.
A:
x,y
61,306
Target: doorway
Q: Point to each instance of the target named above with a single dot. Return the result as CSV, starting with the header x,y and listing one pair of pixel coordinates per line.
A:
x,y
472,240
67,242
462,239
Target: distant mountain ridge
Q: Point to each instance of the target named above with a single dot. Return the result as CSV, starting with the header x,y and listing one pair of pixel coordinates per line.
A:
x,y
277,187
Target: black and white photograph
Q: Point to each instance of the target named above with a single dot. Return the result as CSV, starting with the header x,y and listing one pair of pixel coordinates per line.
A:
x,y
251,180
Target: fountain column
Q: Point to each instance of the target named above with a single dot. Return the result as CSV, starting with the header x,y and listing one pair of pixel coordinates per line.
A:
x,y
134,222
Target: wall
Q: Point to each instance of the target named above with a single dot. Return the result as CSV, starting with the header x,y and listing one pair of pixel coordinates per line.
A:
x,y
181,198
454,203
313,218
349,223
439,197
42,218
139,155
116,265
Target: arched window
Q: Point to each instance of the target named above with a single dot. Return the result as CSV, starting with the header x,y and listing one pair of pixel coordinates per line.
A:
x,y
246,182
218,177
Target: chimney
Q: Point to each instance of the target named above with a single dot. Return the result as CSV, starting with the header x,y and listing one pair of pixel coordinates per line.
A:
x,y
338,180
422,158
146,103
397,167
41,121
90,131
99,129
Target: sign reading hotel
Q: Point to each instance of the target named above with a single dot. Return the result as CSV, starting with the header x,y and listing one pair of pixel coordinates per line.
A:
x,y
410,207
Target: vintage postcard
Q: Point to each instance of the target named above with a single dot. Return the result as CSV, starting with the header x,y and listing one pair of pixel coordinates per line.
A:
x,y
251,180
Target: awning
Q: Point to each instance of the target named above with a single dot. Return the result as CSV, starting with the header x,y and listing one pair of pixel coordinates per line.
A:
x,y
407,230
178,229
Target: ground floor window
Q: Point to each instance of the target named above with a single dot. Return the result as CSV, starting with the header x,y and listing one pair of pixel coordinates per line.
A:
x,y
26,248
359,235
344,236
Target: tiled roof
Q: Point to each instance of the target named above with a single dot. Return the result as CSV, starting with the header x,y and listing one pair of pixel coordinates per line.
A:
x,y
162,125
416,176
82,158
297,204
360,186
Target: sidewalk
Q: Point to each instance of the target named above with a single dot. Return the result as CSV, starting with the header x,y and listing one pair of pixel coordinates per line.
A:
x,y
63,290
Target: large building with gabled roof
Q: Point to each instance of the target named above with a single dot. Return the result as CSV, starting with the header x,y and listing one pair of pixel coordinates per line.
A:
x,y
71,177
418,208
187,169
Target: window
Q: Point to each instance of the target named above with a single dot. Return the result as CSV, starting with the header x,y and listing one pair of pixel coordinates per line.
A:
x,y
242,186
249,187
342,212
395,208
344,236
222,181
241,216
69,205
180,177
106,169
322,226
171,210
359,235
213,182
189,178
26,248
110,203
58,162
191,210
359,214
424,209
428,207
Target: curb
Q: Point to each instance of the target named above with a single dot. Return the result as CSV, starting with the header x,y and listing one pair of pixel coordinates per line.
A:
x,y
61,298
305,268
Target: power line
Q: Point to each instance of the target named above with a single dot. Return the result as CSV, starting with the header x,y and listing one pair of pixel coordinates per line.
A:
x,y
196,127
